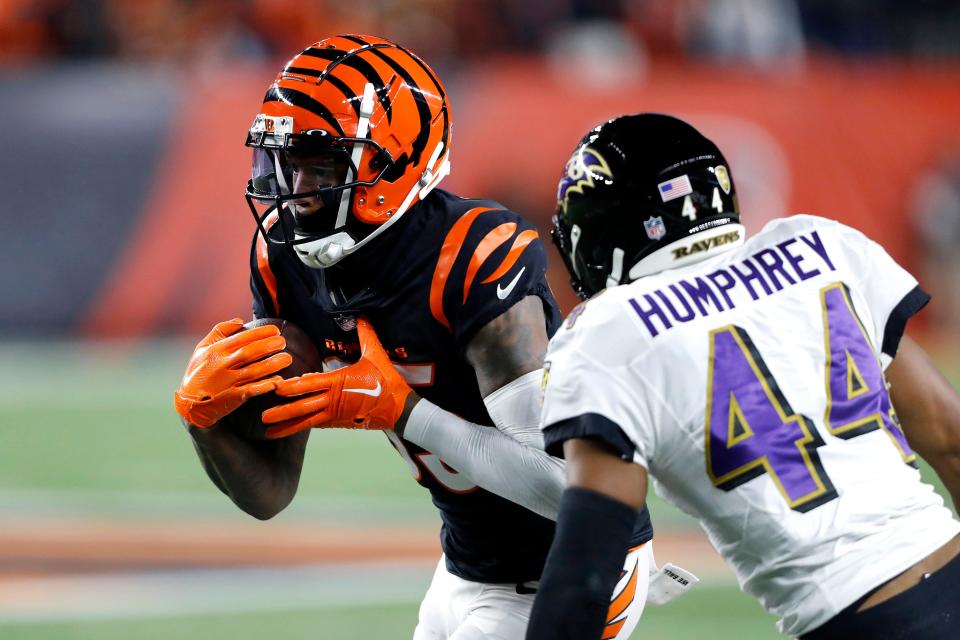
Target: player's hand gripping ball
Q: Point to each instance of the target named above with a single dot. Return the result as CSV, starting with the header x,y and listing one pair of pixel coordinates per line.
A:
x,y
369,394
246,421
228,367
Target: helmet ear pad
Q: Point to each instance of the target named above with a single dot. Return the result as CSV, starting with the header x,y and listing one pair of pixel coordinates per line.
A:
x,y
361,211
375,204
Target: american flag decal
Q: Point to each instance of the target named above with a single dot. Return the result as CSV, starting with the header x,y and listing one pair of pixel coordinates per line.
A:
x,y
674,188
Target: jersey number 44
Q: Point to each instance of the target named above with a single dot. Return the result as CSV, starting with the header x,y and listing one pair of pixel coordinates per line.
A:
x,y
751,429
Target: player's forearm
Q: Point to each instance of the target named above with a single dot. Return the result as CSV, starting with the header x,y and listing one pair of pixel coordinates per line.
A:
x,y
597,517
261,478
522,474
947,467
583,567
955,488
944,454
929,412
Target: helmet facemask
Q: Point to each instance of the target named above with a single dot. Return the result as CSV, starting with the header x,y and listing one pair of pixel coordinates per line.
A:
x,y
565,238
310,180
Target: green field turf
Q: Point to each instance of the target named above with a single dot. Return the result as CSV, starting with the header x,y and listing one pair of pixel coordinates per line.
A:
x,y
716,613
86,435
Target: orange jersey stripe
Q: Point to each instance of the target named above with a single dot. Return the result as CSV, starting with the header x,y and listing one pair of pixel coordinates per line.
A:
x,y
488,245
624,599
448,255
519,245
263,261
612,629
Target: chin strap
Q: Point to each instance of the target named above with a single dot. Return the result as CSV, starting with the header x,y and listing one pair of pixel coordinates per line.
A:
x,y
325,252
616,270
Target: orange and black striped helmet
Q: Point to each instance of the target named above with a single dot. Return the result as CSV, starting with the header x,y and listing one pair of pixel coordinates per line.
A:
x,y
353,132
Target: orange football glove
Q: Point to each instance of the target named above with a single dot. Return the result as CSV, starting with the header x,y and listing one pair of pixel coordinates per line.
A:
x,y
369,394
229,367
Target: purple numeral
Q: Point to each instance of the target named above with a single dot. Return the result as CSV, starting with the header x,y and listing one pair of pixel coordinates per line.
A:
x,y
857,398
751,429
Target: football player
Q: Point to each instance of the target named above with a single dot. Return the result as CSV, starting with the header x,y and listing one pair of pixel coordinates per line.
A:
x,y
349,146
755,381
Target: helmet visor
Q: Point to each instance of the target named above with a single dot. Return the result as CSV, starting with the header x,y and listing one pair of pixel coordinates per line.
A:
x,y
276,173
308,180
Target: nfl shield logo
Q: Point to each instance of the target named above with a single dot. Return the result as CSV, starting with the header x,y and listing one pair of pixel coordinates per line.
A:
x,y
654,228
346,322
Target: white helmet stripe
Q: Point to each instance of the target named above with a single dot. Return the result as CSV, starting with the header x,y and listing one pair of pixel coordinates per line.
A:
x,y
366,110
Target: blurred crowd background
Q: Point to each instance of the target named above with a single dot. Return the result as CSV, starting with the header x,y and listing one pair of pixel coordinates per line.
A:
x,y
452,32
124,168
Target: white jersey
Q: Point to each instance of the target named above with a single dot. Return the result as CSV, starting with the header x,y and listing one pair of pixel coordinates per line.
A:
x,y
750,385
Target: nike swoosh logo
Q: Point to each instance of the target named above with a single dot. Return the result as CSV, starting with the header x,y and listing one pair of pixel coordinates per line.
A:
x,y
367,392
503,293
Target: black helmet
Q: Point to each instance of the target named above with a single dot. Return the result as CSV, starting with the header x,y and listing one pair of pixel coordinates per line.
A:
x,y
640,194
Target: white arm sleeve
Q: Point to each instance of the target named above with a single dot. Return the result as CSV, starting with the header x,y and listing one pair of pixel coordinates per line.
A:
x,y
495,461
515,409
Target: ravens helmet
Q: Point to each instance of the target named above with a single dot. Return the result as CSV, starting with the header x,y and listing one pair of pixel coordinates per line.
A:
x,y
353,132
640,194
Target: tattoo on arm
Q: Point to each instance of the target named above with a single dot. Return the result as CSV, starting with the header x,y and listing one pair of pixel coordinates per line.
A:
x,y
510,345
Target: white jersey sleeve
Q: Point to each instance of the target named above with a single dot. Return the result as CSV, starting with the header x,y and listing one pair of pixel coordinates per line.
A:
x,y
888,295
591,388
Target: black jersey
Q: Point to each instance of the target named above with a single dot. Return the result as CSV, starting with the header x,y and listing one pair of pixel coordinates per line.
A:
x,y
442,272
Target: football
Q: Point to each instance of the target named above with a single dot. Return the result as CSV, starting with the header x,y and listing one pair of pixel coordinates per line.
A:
x,y
245,420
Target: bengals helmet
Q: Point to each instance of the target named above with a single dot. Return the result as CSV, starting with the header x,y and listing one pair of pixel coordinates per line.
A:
x,y
640,194
353,132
